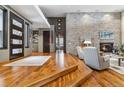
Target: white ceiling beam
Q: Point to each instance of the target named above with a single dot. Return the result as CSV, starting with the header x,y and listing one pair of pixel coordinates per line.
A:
x,y
42,15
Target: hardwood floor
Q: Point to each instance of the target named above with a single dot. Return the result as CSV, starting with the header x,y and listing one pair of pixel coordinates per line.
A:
x,y
73,72
28,76
105,78
74,78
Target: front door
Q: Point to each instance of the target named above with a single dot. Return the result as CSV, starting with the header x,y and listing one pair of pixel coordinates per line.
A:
x,y
16,36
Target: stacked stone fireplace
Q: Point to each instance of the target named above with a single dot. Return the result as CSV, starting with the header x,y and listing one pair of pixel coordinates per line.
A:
x,y
79,24
106,47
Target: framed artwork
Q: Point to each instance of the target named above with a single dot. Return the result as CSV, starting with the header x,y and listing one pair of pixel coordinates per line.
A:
x,y
106,35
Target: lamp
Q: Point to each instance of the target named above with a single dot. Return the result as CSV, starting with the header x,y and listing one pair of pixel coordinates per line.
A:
x,y
87,42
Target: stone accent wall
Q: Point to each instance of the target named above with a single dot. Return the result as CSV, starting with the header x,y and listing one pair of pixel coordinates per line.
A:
x,y
88,25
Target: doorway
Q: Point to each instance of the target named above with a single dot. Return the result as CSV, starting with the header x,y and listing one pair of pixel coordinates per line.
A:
x,y
46,41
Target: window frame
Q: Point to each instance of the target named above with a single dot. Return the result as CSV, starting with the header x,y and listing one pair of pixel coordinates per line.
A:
x,y
28,29
5,28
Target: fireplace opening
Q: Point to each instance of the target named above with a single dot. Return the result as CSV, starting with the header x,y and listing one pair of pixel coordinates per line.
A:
x,y
106,47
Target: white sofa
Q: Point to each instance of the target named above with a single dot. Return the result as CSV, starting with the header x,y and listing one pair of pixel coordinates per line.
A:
x,y
80,52
93,59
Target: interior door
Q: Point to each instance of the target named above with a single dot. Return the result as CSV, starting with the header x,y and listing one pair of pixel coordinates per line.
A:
x,y
46,41
16,36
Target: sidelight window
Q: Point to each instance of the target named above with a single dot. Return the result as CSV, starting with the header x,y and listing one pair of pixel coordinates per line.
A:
x,y
27,35
3,28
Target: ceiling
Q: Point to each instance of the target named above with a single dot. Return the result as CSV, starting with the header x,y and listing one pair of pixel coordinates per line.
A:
x,y
36,13
33,14
61,10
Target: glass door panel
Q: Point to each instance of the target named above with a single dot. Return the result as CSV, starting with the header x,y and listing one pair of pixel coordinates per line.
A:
x,y
59,43
16,42
17,51
16,23
17,32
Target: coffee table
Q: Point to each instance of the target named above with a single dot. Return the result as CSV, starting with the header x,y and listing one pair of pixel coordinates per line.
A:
x,y
120,58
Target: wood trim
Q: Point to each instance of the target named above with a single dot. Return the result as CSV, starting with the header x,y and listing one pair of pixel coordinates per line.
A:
x,y
82,79
52,77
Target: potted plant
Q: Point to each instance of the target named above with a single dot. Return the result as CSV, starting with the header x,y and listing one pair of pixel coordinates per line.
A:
x,y
122,49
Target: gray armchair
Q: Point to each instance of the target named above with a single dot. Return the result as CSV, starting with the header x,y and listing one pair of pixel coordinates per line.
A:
x,y
93,59
80,52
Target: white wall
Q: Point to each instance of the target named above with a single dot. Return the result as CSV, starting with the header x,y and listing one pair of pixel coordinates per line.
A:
x,y
28,51
52,32
40,41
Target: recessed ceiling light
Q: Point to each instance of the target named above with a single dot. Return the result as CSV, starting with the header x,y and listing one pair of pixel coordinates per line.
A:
x,y
78,10
96,10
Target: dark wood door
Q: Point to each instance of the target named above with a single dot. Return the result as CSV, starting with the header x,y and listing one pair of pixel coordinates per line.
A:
x,y
16,36
46,41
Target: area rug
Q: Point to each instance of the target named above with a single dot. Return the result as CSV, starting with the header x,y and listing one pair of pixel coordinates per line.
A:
x,y
30,61
114,66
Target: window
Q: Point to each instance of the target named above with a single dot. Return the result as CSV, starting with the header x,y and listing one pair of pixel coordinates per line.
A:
x,y
27,35
3,28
